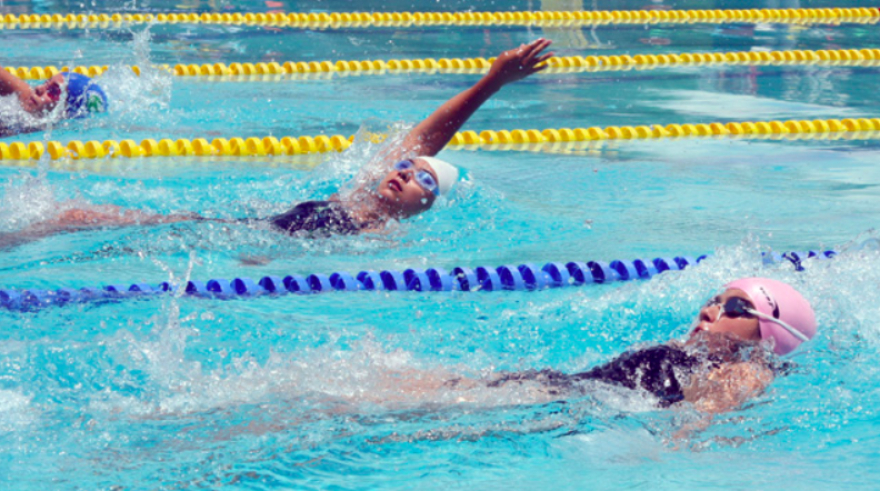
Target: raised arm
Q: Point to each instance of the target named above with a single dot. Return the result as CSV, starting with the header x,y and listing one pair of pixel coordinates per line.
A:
x,y
432,134
30,100
10,84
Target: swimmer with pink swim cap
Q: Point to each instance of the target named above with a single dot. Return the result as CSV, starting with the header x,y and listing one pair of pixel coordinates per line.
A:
x,y
785,317
724,362
760,308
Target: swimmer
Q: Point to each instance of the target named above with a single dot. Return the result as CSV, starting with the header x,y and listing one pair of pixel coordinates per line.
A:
x,y
26,108
415,180
724,362
730,356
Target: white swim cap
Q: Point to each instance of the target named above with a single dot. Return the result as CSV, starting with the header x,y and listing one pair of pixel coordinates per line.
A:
x,y
447,174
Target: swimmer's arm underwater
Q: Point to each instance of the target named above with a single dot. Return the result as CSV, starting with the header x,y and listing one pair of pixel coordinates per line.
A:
x,y
75,217
727,387
432,134
724,389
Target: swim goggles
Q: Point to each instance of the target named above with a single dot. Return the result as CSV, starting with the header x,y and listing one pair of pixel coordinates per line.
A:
x,y
423,177
735,307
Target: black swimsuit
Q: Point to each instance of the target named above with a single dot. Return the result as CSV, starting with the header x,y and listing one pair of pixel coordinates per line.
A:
x,y
322,218
658,370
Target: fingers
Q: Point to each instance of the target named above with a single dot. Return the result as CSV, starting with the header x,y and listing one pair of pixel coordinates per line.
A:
x,y
538,45
527,51
544,58
534,49
539,63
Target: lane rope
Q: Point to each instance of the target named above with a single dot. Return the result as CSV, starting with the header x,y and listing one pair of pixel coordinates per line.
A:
x,y
117,166
340,20
823,129
508,277
867,57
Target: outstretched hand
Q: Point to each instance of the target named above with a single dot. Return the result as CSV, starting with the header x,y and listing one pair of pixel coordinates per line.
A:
x,y
519,63
432,134
35,103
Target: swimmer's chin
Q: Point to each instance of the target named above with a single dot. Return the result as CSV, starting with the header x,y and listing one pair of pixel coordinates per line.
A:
x,y
389,195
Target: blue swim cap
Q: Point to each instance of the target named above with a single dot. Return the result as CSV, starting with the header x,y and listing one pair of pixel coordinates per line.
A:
x,y
84,96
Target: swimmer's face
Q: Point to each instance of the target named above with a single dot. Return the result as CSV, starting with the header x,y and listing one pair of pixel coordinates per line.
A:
x,y
403,193
732,326
49,93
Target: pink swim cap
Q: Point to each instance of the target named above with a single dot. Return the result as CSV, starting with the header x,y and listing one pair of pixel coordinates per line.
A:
x,y
782,304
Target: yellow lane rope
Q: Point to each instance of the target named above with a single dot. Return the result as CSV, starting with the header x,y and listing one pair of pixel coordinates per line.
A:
x,y
559,64
117,166
259,147
120,166
338,20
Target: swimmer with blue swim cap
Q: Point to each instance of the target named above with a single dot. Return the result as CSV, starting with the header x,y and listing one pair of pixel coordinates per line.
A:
x,y
84,96
80,95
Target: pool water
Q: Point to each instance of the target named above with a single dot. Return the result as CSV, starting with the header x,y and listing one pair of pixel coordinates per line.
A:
x,y
300,392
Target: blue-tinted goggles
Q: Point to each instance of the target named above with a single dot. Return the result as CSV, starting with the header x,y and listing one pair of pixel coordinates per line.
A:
x,y
423,177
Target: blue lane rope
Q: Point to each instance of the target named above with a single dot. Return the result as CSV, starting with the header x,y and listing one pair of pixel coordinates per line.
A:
x,y
483,278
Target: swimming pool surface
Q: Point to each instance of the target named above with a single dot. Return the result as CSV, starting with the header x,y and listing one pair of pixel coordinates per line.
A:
x,y
297,392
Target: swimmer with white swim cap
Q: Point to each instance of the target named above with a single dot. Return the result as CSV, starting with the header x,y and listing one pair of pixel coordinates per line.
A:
x,y
416,178
79,94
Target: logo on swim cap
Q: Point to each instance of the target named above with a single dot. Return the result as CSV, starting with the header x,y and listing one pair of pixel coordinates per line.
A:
x,y
94,102
770,300
784,315
84,96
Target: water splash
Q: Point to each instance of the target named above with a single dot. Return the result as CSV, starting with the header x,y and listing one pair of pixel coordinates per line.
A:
x,y
16,411
25,199
137,100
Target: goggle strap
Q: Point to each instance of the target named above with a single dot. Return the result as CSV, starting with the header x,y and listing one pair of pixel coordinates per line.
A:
x,y
794,332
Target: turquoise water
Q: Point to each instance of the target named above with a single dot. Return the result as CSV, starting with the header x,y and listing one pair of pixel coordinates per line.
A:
x,y
303,392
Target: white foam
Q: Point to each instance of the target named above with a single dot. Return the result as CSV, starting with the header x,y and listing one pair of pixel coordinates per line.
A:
x,y
16,410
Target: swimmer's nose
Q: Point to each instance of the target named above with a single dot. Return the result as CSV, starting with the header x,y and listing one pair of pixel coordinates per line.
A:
x,y
709,313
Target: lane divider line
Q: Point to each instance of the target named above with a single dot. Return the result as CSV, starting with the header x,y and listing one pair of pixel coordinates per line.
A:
x,y
825,129
507,277
866,57
339,20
